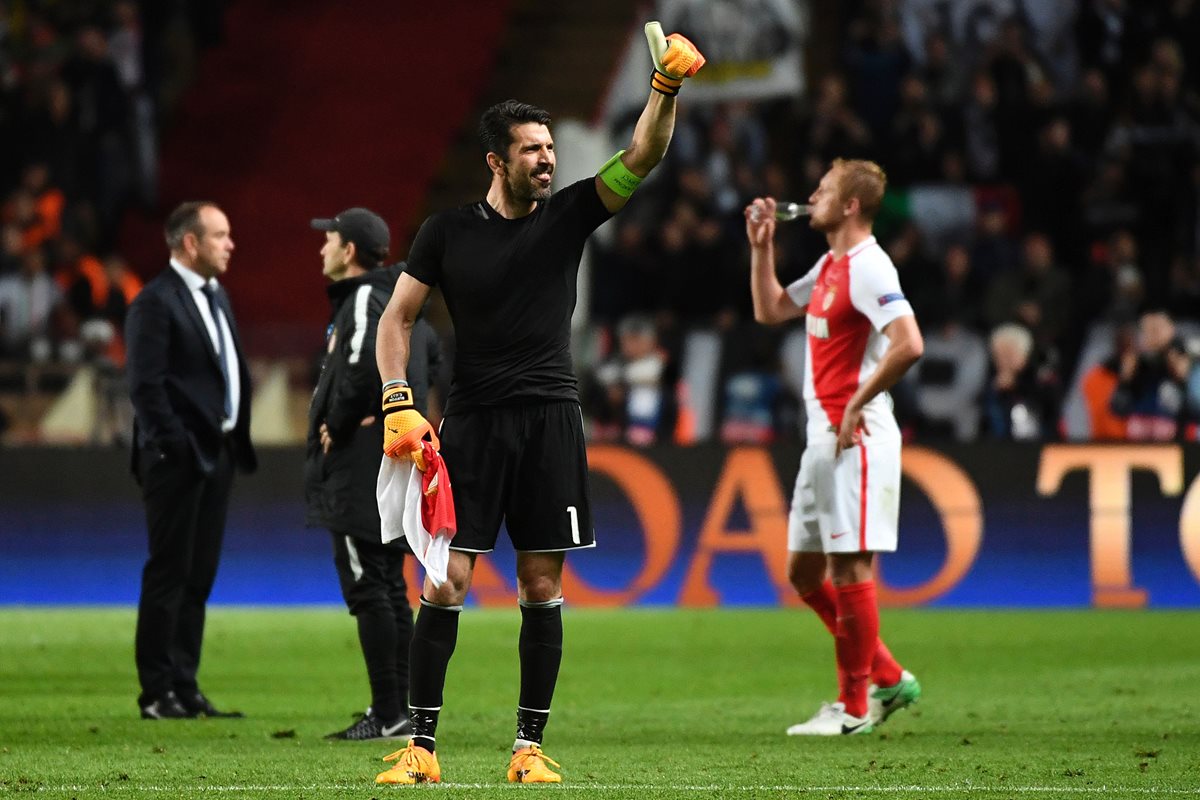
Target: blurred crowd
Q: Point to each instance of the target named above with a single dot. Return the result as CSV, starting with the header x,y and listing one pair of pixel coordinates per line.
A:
x,y
1042,212
84,88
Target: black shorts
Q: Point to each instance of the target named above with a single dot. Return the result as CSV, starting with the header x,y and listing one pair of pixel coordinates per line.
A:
x,y
523,465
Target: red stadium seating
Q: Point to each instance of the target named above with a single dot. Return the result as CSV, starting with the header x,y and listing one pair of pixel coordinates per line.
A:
x,y
303,114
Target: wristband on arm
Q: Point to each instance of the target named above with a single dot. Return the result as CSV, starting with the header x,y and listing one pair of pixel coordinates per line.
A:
x,y
396,397
403,426
616,176
665,84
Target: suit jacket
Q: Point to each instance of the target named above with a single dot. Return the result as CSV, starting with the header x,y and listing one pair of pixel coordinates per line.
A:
x,y
175,379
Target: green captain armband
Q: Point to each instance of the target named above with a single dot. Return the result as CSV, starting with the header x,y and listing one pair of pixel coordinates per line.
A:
x,y
617,176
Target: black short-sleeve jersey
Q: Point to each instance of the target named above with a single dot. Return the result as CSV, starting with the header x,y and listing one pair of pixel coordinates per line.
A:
x,y
510,286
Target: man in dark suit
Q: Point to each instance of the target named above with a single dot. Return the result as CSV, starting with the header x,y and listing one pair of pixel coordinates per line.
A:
x,y
190,388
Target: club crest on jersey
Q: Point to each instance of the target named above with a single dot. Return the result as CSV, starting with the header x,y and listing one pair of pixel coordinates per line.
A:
x,y
817,326
830,296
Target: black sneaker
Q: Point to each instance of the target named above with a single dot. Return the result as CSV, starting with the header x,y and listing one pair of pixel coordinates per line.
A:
x,y
198,705
165,707
370,727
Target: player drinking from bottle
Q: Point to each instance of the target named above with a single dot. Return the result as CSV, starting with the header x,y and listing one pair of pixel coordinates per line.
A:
x,y
512,438
862,338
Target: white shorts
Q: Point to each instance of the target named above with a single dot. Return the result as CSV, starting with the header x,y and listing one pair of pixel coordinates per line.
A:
x,y
847,505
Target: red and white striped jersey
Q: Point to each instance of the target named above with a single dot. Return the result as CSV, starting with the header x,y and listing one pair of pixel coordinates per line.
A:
x,y
850,300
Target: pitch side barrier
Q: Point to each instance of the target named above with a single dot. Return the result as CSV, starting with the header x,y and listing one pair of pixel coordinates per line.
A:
x,y
980,525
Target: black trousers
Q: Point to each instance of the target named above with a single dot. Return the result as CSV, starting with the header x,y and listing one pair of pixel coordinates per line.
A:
x,y
371,575
185,516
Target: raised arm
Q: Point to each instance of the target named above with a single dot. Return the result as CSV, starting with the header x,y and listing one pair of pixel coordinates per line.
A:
x,y
675,58
772,303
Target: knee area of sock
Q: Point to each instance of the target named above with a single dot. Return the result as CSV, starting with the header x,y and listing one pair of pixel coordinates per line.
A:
x,y
541,608
540,591
436,608
853,588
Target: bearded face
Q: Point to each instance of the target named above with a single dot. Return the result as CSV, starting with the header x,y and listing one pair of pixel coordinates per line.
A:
x,y
528,170
530,185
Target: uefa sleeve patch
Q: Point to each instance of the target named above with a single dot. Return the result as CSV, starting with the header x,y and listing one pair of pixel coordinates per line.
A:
x,y
888,298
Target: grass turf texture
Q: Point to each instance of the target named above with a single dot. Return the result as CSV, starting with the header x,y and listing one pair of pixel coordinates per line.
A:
x,y
651,704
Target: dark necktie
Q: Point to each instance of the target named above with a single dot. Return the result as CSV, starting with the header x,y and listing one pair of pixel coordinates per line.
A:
x,y
210,292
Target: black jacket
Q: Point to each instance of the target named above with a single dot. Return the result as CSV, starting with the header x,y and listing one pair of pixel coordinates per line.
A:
x,y
339,486
175,379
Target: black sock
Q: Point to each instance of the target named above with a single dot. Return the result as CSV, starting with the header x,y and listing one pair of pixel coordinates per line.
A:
x,y
541,654
377,636
531,725
434,637
402,617
424,720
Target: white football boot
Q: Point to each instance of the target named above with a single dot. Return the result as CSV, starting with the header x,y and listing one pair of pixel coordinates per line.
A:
x,y
832,720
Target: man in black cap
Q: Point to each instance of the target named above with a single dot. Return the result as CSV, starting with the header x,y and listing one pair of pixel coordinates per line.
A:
x,y
345,434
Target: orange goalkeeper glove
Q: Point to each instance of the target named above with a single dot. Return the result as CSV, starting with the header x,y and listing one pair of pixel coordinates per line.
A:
x,y
403,425
674,57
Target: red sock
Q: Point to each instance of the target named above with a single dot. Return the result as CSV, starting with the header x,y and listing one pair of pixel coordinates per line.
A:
x,y
856,642
823,600
885,671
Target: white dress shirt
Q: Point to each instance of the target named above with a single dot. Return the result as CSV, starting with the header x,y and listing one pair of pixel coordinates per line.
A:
x,y
195,285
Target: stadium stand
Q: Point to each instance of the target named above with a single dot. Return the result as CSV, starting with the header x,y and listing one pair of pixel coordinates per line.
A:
x,y
1043,171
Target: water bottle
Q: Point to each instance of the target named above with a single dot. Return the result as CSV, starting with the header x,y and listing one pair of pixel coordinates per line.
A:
x,y
786,212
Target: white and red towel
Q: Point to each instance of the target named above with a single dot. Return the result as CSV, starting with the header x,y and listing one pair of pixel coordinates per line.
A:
x,y
420,506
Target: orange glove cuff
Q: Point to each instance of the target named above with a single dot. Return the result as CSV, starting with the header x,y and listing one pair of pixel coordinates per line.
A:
x,y
665,84
403,426
396,398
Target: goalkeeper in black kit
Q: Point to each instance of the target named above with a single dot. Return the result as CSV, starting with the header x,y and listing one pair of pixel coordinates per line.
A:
x,y
512,438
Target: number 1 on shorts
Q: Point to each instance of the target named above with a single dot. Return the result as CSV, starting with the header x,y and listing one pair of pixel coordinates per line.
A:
x,y
573,513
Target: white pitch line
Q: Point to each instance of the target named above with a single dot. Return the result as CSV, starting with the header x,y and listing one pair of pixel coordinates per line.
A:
x,y
1117,791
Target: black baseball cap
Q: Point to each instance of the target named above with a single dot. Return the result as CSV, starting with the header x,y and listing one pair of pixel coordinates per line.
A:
x,y
362,226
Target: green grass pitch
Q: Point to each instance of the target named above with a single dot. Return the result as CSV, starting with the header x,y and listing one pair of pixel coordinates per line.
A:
x,y
650,704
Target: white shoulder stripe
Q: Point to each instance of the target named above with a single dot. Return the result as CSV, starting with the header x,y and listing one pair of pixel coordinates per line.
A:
x,y
360,323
